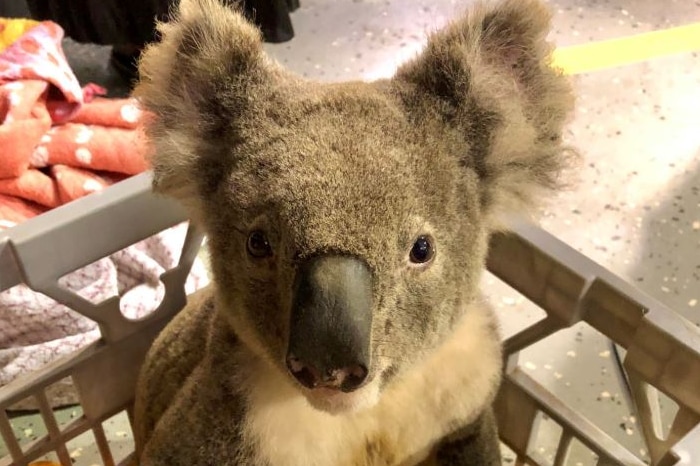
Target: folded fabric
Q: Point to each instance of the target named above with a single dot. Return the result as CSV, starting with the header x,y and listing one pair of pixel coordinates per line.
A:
x,y
14,210
91,146
65,184
32,185
74,183
38,55
24,119
37,88
118,113
59,141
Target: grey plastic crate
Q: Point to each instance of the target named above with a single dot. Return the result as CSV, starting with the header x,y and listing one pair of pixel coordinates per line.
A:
x,y
662,352
662,348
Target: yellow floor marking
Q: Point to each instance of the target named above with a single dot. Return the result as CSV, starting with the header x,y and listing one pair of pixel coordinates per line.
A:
x,y
584,58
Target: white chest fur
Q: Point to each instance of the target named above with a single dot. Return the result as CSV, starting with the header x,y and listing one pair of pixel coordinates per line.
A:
x,y
412,415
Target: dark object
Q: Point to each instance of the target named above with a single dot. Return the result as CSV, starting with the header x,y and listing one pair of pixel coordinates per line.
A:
x,y
124,59
13,9
258,246
331,323
121,22
272,17
422,251
128,25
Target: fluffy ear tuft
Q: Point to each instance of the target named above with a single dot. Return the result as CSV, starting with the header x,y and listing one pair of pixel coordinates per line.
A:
x,y
195,83
489,76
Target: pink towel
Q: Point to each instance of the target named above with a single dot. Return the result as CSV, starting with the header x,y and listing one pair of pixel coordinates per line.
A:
x,y
59,141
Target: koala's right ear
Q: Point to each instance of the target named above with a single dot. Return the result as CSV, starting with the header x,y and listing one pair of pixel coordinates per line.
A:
x,y
195,84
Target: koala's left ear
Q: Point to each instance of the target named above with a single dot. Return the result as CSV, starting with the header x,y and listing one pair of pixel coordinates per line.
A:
x,y
489,77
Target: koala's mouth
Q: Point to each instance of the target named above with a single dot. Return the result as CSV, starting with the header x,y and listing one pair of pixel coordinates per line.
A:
x,y
328,352
335,401
337,392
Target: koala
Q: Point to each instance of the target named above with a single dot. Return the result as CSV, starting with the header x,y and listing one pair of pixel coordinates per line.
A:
x,y
348,226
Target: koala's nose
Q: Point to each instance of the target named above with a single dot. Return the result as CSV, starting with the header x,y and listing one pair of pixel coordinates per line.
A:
x,y
345,378
331,322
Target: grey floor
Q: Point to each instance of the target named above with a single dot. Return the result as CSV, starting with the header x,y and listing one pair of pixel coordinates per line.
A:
x,y
636,209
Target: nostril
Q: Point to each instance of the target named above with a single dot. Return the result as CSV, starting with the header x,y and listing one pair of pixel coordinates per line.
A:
x,y
307,375
352,377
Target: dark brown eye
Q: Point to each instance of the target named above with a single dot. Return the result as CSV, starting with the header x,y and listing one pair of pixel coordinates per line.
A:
x,y
258,246
422,250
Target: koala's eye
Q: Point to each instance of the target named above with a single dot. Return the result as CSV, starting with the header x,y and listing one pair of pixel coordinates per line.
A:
x,y
258,246
422,250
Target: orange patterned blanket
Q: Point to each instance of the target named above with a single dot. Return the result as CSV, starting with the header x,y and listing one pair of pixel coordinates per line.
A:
x,y
58,141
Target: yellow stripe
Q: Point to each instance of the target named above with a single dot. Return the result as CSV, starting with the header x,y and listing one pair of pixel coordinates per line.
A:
x,y
626,50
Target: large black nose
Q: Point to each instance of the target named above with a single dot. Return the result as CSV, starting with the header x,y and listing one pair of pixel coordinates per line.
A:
x,y
331,320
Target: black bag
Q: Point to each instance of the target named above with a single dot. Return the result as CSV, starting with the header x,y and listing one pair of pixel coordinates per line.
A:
x,y
131,22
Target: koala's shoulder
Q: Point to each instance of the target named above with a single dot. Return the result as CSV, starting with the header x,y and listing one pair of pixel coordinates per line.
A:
x,y
184,337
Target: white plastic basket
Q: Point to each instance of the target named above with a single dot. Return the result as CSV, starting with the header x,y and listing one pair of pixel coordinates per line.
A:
x,y
662,348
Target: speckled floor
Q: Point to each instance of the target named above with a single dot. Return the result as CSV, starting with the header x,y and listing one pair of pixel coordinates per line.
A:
x,y
636,209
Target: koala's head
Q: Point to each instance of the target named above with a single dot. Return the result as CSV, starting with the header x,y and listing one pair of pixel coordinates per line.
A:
x,y
348,222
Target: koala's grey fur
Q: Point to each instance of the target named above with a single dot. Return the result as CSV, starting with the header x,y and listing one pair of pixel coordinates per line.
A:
x,y
466,132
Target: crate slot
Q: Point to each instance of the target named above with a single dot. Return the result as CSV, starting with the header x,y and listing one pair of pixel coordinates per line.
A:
x,y
508,456
119,436
83,450
29,430
580,455
546,440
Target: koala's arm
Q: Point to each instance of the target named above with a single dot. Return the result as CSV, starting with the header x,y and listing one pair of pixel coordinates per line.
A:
x,y
475,445
171,359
